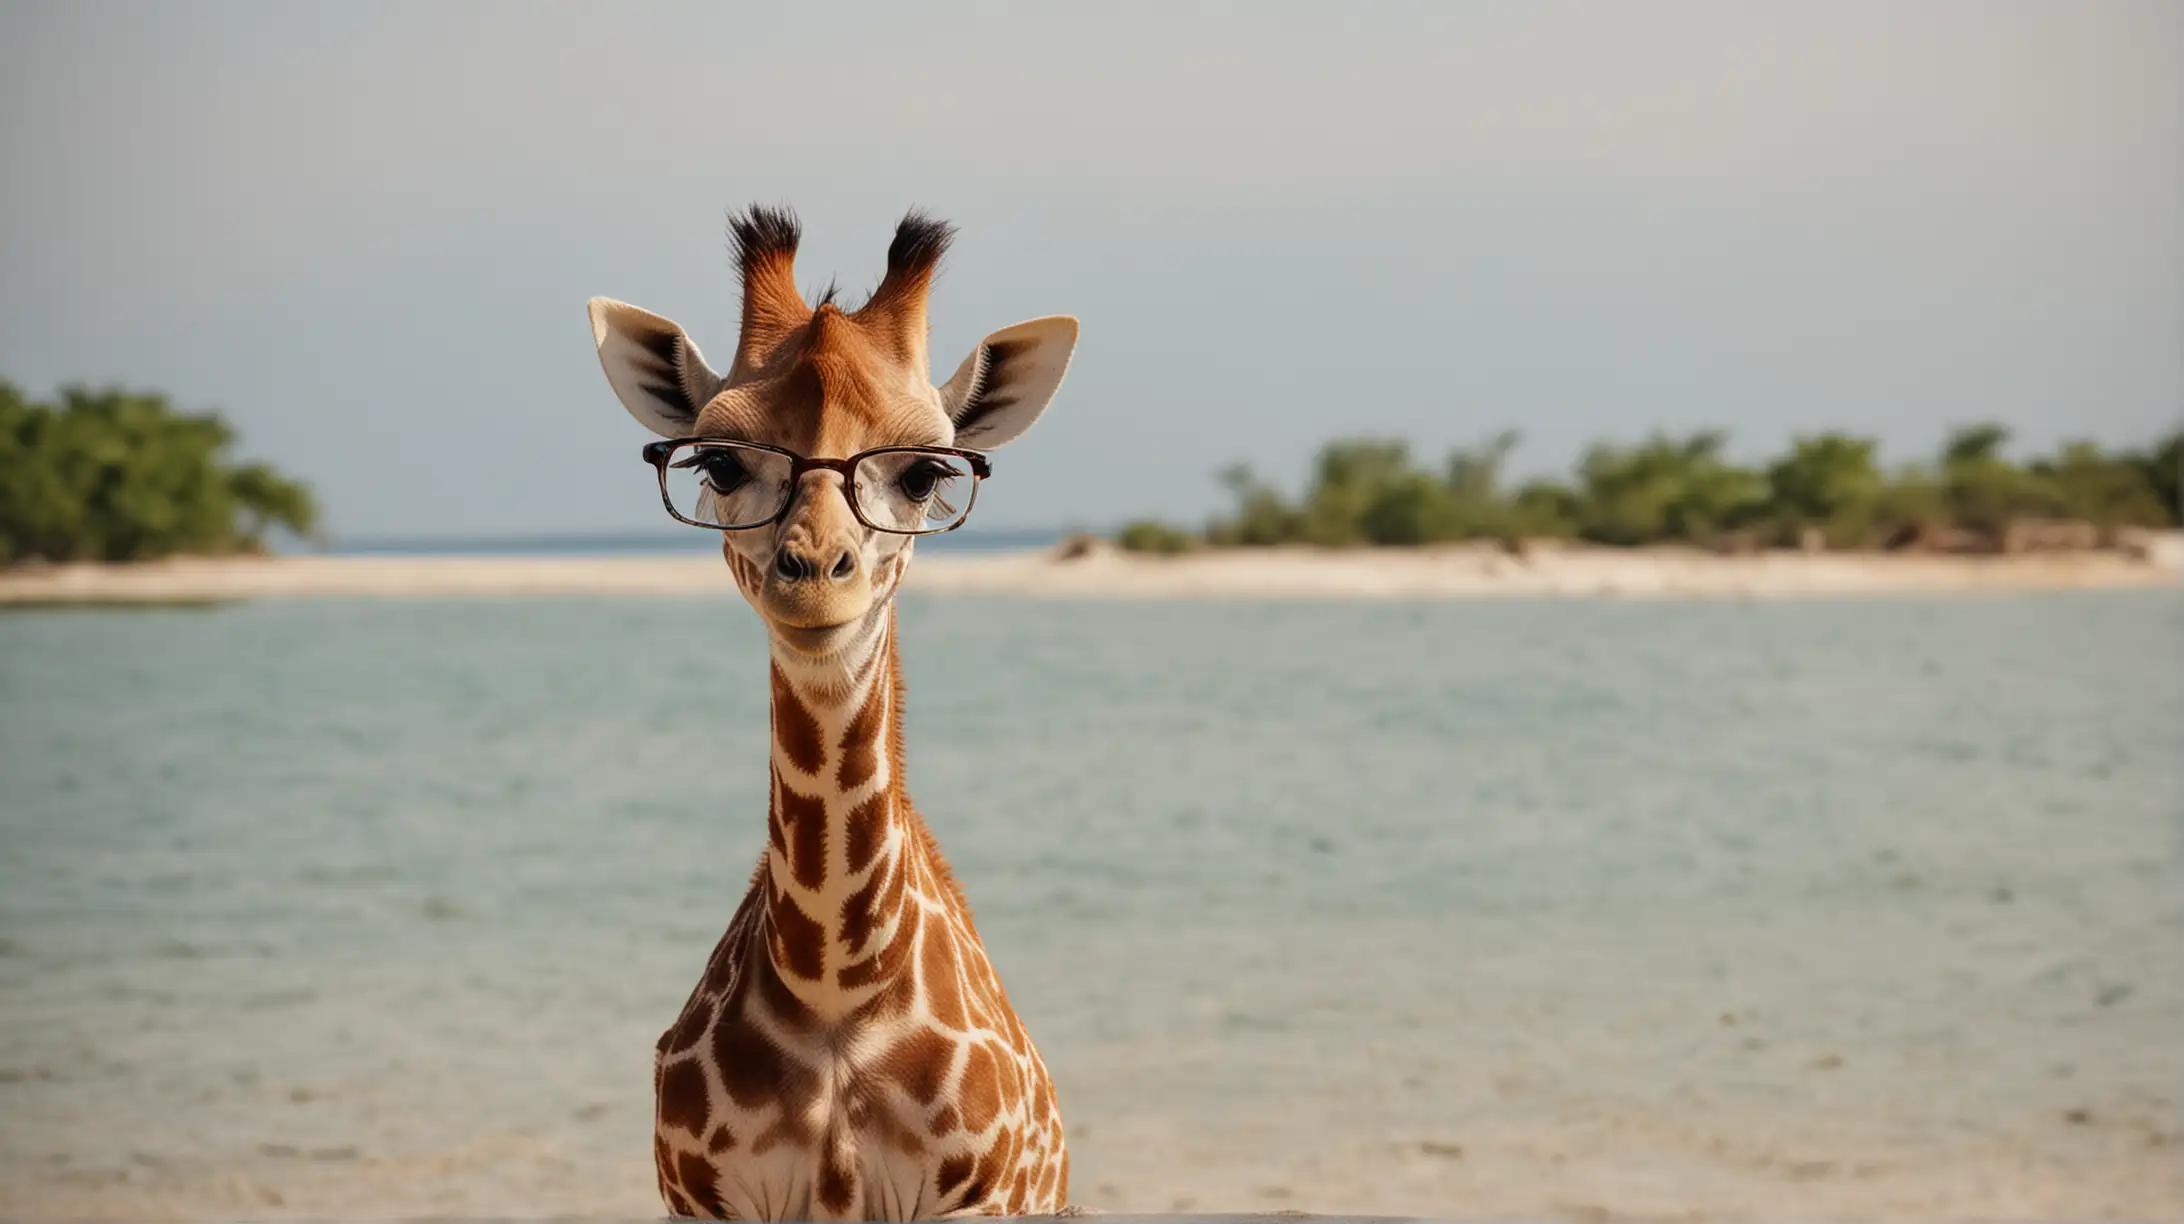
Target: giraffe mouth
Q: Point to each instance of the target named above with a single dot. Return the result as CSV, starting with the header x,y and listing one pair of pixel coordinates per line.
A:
x,y
818,640
812,619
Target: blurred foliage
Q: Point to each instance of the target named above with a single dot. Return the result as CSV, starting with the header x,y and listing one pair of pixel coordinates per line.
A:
x,y
115,476
1829,490
1149,536
1666,489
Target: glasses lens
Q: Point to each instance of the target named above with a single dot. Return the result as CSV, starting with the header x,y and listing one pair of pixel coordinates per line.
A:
x,y
721,484
914,490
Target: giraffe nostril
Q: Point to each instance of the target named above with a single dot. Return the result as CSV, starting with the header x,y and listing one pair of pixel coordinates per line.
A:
x,y
844,566
789,567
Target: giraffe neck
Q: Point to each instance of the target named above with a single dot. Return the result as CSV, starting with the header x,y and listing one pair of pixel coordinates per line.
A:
x,y
840,838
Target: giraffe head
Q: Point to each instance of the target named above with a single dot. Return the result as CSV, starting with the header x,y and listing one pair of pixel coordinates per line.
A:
x,y
825,383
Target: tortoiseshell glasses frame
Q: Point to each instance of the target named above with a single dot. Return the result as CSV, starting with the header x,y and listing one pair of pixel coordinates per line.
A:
x,y
856,479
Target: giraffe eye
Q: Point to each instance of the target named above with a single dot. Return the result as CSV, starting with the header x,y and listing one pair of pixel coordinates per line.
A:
x,y
913,490
724,469
920,479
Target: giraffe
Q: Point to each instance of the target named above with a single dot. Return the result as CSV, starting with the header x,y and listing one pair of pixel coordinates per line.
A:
x,y
849,1052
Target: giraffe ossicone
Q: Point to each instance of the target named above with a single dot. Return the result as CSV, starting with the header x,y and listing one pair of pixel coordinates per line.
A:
x,y
849,1052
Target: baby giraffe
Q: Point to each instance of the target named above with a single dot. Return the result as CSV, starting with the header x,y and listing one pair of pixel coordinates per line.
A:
x,y
849,1053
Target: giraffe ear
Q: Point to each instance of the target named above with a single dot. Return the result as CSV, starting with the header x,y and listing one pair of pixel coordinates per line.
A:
x,y
654,368
1003,386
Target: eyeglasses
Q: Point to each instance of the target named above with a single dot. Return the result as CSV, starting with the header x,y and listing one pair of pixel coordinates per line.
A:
x,y
735,486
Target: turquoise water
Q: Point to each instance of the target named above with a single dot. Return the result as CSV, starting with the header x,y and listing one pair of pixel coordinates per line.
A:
x,y
1846,908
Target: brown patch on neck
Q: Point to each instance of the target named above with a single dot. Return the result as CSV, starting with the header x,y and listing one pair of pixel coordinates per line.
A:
x,y
891,958
943,984
837,1180
861,738
953,1172
698,1178
920,1062
794,727
683,1099
797,941
752,1068
804,818
979,1094
867,831
870,906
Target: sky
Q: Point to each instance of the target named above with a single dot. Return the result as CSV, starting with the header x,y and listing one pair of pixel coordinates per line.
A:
x,y
366,234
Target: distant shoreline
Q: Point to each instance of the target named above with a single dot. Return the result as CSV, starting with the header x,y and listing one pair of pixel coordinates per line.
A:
x,y
1453,572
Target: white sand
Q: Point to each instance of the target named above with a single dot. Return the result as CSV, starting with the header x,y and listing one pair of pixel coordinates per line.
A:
x,y
1476,572
1445,572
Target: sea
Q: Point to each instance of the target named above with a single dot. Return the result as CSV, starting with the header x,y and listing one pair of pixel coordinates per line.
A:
x,y
1587,909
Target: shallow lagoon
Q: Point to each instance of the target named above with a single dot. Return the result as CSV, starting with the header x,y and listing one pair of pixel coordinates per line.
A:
x,y
1846,908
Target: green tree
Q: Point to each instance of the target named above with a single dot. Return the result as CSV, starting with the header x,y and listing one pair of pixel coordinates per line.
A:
x,y
116,476
1666,489
2109,491
1361,485
1546,509
2160,467
1982,491
1477,504
1153,536
1368,491
1911,506
265,499
1263,517
1828,481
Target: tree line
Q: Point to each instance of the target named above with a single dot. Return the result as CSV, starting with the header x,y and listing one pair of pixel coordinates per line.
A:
x,y
111,475
1829,490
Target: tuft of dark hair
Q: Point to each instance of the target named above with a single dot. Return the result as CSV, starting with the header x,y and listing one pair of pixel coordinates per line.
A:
x,y
920,240
760,233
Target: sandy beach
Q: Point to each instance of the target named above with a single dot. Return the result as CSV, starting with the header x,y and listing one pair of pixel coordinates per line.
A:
x,y
1459,572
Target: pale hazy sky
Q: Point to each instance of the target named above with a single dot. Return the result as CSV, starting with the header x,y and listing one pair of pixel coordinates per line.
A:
x,y
367,233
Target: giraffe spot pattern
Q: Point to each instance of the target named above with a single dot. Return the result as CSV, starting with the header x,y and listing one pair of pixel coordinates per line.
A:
x,y
862,909
943,987
980,1093
782,1002
684,1102
888,960
805,819
861,747
700,1182
920,1062
794,727
1017,1190
837,1181
953,1081
751,1066
867,827
685,1034
798,940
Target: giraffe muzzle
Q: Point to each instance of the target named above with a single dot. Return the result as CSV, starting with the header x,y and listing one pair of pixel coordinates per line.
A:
x,y
816,601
